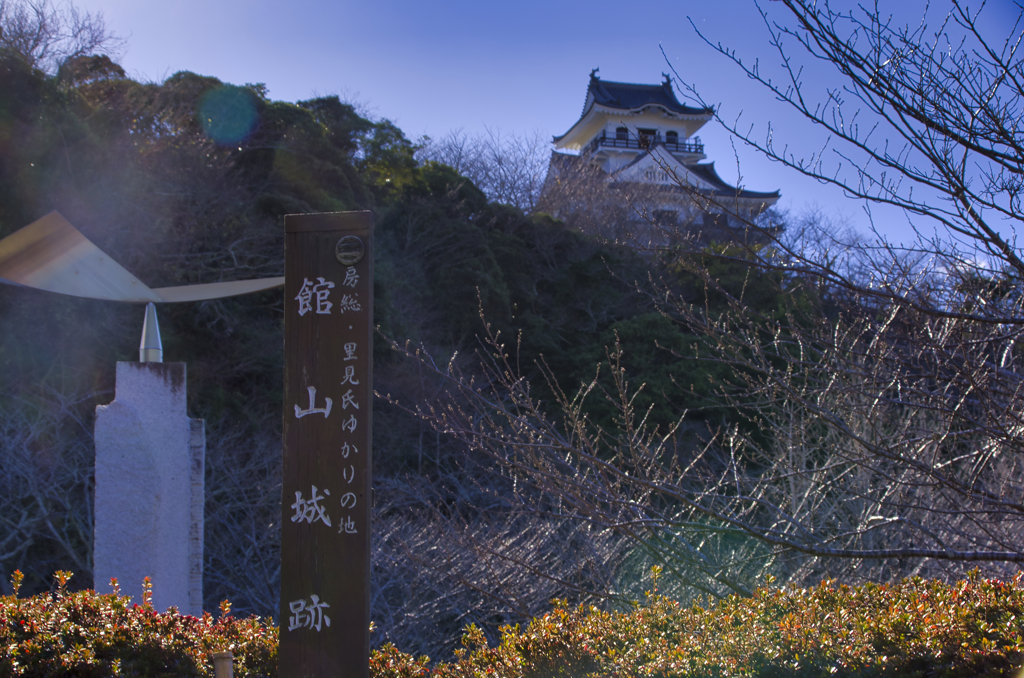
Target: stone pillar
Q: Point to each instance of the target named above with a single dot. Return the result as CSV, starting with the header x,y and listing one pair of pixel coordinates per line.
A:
x,y
149,488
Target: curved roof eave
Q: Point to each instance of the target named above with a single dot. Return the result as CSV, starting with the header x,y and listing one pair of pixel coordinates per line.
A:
x,y
596,108
708,172
738,194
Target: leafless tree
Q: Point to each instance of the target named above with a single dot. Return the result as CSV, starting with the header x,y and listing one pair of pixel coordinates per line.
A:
x,y
47,34
881,407
636,214
447,554
579,194
508,168
243,518
46,460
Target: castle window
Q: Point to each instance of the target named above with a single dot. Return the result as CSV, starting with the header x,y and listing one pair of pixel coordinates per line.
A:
x,y
646,136
621,133
672,137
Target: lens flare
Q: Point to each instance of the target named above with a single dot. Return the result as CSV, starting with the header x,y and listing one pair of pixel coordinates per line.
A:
x,y
227,114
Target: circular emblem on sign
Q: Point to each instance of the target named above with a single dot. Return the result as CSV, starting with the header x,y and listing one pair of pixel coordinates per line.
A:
x,y
349,250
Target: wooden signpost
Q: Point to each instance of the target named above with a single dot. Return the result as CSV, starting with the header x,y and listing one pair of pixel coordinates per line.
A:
x,y
328,396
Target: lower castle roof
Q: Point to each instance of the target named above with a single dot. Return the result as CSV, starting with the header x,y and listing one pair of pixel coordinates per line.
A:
x,y
561,162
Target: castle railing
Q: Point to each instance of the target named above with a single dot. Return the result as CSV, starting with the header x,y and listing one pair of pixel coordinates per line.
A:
x,y
644,142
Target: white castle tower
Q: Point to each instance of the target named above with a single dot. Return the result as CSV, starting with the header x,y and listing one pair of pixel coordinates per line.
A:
x,y
641,145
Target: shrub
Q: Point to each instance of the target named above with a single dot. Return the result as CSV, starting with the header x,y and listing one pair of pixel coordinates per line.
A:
x,y
86,634
914,628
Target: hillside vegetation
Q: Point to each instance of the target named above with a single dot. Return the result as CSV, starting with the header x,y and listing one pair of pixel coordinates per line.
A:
x,y
187,181
556,413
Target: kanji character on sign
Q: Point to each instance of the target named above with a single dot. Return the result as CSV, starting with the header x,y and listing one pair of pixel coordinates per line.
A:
x,y
351,277
310,617
347,526
350,351
350,374
326,410
349,302
321,290
310,509
348,399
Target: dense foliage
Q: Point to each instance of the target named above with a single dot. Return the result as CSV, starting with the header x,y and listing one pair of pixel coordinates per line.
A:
x,y
66,633
914,627
910,628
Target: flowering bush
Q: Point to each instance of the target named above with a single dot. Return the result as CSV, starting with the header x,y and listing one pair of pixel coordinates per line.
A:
x,y
913,628
87,634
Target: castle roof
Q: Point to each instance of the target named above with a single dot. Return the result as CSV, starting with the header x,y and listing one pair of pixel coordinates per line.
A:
x,y
707,172
628,96
606,98
714,185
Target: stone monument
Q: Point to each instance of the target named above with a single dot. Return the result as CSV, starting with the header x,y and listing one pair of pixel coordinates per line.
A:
x,y
150,459
150,456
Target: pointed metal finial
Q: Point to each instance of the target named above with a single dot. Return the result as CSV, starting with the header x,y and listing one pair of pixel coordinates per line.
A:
x,y
151,350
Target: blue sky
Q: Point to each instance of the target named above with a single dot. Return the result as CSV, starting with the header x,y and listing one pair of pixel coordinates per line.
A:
x,y
434,67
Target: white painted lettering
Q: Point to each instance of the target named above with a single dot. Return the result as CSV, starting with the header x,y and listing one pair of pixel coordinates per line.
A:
x,y
349,302
310,510
348,399
308,616
350,376
350,351
313,409
321,291
351,277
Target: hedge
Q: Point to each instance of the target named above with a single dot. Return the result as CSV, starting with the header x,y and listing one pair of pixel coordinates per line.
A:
x,y
90,635
915,627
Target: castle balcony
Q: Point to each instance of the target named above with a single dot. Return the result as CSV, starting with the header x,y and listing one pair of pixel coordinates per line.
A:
x,y
643,142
